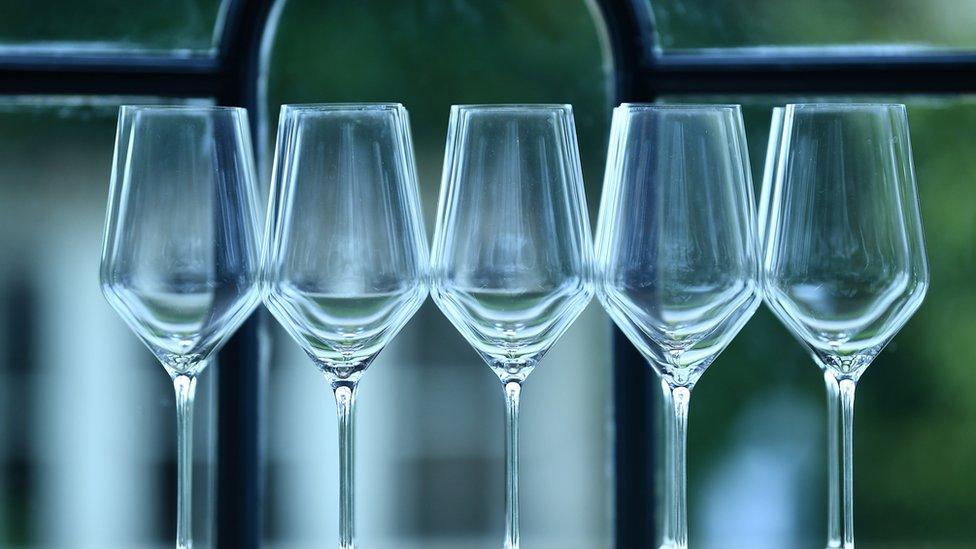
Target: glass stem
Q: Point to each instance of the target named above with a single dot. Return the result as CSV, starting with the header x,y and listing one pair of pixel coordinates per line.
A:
x,y
833,462
345,396
185,387
513,392
847,387
667,537
680,400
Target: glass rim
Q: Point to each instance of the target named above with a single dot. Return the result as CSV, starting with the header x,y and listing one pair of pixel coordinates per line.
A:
x,y
338,107
182,108
679,106
844,106
552,107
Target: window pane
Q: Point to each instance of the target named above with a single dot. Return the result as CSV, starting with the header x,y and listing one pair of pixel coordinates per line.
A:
x,y
431,413
106,26
696,24
87,418
758,418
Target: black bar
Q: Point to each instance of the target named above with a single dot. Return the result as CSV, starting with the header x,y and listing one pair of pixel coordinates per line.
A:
x,y
635,457
240,403
808,73
241,382
631,35
158,76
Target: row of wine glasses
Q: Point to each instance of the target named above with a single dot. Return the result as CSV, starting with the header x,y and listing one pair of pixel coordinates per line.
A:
x,y
680,262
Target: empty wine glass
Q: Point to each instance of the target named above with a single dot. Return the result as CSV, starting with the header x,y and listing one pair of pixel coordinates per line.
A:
x,y
843,254
345,264
180,257
676,255
512,255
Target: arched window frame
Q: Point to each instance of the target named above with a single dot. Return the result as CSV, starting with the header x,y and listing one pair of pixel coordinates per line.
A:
x,y
641,73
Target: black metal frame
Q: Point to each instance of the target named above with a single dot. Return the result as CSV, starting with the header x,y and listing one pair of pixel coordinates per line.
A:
x,y
641,74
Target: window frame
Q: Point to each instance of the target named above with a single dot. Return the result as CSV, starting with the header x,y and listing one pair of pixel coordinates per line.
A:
x,y
641,72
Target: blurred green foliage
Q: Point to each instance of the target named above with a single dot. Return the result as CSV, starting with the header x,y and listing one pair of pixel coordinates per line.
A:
x,y
141,25
698,24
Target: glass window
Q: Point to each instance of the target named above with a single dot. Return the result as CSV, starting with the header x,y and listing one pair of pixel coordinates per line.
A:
x,y
87,456
759,412
181,27
430,470
900,24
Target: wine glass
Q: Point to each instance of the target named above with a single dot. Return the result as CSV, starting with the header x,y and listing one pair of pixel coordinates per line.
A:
x,y
677,264
180,256
843,254
345,263
511,261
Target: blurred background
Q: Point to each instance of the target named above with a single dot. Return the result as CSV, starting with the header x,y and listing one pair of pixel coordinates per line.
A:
x,y
87,455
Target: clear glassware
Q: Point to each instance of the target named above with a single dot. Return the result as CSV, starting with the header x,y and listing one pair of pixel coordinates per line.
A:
x,y
180,257
511,260
345,263
843,255
677,262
